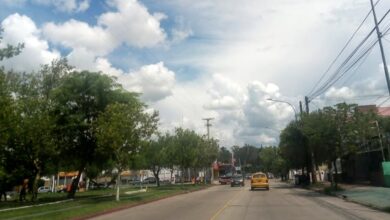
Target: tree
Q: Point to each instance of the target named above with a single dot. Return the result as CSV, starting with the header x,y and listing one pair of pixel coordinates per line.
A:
x,y
292,146
155,155
224,155
121,129
78,101
248,157
272,161
7,127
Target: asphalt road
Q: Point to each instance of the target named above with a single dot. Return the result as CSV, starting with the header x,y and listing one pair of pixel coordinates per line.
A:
x,y
223,202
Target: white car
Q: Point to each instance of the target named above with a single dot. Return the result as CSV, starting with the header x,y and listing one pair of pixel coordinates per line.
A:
x,y
44,189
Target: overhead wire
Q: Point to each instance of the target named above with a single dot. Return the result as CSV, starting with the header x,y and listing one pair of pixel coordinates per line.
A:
x,y
343,68
342,50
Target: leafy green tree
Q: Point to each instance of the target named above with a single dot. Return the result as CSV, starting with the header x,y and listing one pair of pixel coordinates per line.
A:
x,y
206,154
78,101
155,155
224,155
121,131
292,146
248,157
185,148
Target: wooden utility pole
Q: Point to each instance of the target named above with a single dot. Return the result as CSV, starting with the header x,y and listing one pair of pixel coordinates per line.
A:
x,y
312,158
208,125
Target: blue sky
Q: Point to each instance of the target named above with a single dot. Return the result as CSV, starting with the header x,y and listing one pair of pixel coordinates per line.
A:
x,y
206,58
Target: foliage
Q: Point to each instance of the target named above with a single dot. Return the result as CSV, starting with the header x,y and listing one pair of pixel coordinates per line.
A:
x,y
272,161
224,155
120,131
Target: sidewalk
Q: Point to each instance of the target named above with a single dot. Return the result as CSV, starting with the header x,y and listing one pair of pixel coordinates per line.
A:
x,y
372,196
376,197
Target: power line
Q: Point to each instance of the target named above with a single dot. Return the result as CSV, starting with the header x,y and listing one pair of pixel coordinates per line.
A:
x,y
342,50
342,70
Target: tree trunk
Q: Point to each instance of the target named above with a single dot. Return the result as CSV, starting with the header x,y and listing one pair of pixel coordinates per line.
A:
x,y
118,183
335,177
156,172
182,176
171,176
319,173
35,186
35,182
75,184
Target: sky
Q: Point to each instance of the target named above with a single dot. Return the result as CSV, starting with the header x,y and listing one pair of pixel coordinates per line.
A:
x,y
219,59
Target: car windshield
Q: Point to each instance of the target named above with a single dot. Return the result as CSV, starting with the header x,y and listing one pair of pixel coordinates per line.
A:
x,y
237,177
257,176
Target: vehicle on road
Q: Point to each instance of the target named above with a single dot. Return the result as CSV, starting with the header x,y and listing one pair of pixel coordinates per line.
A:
x,y
223,180
259,180
237,180
44,189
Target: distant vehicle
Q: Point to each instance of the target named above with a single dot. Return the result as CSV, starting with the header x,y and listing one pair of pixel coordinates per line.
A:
x,y
237,180
225,179
135,181
259,180
149,180
44,189
248,176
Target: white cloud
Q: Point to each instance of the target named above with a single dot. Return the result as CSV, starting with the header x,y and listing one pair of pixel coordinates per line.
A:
x,y
179,35
21,29
225,93
154,81
68,6
82,59
343,92
94,39
133,24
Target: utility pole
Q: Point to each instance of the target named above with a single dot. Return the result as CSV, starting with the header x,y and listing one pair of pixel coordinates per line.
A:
x,y
300,107
379,34
307,104
313,162
208,125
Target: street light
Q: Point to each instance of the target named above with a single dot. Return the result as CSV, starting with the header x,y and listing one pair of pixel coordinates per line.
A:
x,y
292,106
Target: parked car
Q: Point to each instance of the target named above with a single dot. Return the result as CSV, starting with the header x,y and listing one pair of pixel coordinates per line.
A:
x,y
149,180
237,180
44,189
259,180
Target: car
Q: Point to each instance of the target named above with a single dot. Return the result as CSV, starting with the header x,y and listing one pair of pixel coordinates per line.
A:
x,y
149,180
237,180
44,189
248,176
225,179
259,180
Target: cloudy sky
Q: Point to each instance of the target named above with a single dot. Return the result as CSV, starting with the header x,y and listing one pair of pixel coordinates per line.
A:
x,y
210,58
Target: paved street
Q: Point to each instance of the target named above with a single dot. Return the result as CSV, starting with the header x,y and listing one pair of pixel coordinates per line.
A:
x,y
224,202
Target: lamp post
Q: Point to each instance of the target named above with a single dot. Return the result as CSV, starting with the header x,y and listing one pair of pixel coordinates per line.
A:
x,y
292,106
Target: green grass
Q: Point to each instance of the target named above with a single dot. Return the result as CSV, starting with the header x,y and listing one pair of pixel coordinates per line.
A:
x,y
89,203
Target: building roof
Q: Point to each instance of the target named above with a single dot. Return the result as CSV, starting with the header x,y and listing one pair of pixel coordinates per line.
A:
x,y
384,111
381,111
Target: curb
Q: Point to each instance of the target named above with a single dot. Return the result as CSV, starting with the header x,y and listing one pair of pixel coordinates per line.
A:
x,y
136,204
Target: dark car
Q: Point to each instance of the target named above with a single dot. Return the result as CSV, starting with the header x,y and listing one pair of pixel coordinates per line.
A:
x,y
149,180
237,180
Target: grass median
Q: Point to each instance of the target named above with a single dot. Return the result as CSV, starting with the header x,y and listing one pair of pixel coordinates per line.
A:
x,y
89,203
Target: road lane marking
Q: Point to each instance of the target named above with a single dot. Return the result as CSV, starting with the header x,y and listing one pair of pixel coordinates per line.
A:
x,y
225,206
